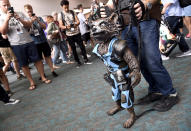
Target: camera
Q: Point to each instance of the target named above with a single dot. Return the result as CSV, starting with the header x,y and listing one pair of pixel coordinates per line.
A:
x,y
72,25
11,10
33,14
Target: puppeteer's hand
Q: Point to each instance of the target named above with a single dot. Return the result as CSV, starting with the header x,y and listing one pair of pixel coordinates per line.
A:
x,y
105,11
135,76
138,11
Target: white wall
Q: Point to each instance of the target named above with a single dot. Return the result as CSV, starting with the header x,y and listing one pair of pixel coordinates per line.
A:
x,y
45,7
40,7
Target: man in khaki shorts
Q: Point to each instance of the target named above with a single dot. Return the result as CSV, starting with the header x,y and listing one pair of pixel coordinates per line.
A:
x,y
8,56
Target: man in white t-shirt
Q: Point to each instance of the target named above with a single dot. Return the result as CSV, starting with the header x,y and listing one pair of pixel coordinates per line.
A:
x,y
85,33
69,22
15,26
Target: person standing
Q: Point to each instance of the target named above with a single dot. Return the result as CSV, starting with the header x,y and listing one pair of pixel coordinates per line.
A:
x,y
39,38
15,26
9,56
174,17
85,33
69,21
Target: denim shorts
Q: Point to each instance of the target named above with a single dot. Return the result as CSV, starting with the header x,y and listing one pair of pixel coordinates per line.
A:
x,y
26,53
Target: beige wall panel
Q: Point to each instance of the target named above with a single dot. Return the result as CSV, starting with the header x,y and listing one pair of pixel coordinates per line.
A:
x,y
45,7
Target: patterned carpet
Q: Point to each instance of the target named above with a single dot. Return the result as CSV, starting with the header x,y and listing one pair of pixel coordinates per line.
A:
x,y
78,99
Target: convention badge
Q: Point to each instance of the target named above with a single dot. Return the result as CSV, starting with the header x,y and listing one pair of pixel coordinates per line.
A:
x,y
36,32
72,29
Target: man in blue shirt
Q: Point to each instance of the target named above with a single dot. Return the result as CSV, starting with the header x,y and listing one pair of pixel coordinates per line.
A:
x,y
39,38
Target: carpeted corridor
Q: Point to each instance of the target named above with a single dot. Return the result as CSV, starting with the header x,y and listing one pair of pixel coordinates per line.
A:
x,y
78,99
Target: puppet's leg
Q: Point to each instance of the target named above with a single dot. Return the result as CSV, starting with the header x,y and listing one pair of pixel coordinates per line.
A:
x,y
116,96
127,99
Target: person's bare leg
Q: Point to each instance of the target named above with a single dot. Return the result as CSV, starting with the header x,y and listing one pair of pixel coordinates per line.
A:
x,y
4,80
185,19
16,67
49,62
40,68
187,22
6,66
131,120
92,42
27,73
115,109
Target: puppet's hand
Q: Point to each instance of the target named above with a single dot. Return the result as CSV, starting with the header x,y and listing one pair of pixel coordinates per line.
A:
x,y
135,76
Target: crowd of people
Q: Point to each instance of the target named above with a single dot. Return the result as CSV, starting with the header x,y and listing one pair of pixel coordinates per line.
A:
x,y
30,39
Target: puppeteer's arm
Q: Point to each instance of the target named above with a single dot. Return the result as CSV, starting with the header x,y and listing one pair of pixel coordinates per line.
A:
x,y
133,65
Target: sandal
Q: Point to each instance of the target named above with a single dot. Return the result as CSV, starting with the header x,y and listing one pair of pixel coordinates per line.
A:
x,y
32,87
46,81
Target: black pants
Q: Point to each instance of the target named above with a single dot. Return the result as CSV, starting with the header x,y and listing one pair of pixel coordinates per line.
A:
x,y
3,95
175,23
77,38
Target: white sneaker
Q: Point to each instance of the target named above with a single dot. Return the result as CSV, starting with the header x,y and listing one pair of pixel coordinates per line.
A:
x,y
64,62
187,53
88,63
88,55
165,57
12,102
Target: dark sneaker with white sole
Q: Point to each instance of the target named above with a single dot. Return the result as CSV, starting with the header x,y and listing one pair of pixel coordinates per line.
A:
x,y
149,98
166,103
78,64
12,102
9,93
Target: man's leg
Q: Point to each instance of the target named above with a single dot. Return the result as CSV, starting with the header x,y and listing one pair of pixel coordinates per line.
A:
x,y
56,51
151,58
17,70
73,47
27,73
40,68
3,95
131,39
79,41
4,81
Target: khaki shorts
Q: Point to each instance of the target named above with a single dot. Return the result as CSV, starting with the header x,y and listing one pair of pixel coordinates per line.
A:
x,y
8,55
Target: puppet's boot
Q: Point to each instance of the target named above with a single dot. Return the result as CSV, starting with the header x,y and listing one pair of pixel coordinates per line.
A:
x,y
132,118
115,109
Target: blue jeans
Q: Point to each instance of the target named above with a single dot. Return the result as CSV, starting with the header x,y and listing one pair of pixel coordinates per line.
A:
x,y
151,64
59,49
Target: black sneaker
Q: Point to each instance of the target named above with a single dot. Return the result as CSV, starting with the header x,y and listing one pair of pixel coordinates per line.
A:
x,y
149,98
78,64
12,102
54,74
20,77
166,103
86,61
9,93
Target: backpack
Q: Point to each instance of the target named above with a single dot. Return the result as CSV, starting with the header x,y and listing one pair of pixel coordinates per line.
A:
x,y
184,3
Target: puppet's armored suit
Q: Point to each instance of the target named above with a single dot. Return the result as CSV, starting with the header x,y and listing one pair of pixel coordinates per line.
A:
x,y
122,65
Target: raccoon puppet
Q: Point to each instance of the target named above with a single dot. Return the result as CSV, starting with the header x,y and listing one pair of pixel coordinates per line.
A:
x,y
123,68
